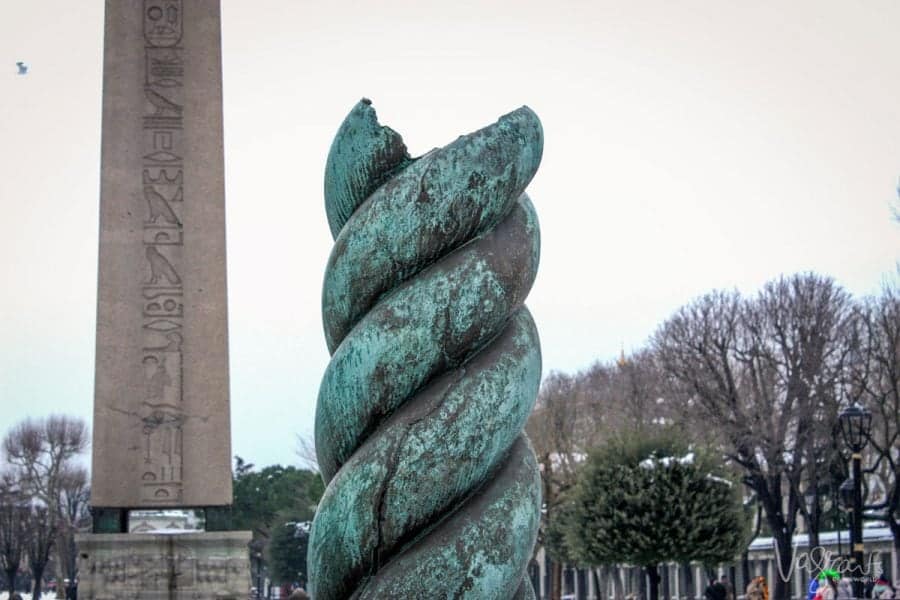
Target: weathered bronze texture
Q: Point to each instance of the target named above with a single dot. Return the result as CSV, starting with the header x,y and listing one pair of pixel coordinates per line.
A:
x,y
432,490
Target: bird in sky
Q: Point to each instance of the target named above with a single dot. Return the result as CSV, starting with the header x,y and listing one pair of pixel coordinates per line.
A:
x,y
23,68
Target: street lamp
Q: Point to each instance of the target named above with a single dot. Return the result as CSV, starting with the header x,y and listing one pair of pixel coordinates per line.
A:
x,y
856,423
256,547
259,590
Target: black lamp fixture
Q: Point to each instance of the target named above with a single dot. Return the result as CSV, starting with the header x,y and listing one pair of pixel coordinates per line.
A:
x,y
256,547
856,424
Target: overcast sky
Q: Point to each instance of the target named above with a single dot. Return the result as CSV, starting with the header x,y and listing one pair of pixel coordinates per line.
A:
x,y
689,145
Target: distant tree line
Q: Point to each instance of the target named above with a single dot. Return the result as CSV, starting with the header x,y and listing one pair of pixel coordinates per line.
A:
x,y
44,496
276,503
757,381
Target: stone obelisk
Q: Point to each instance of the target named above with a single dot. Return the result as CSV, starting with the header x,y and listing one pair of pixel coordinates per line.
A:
x,y
161,407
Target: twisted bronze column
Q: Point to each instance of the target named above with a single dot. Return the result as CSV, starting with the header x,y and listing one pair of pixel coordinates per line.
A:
x,y
432,490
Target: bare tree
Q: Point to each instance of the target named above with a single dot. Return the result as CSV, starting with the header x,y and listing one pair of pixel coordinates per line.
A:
x,y
41,450
41,453
896,207
551,428
760,371
74,517
627,395
42,532
875,383
810,333
13,530
575,413
306,452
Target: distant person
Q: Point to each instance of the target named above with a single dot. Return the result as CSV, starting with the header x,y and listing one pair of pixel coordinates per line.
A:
x,y
812,588
883,590
729,590
820,585
757,589
828,587
844,589
720,592
710,593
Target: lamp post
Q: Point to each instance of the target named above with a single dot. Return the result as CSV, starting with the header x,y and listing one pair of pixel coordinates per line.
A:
x,y
256,547
856,422
259,590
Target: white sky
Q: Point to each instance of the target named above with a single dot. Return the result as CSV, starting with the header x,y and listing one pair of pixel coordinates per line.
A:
x,y
689,145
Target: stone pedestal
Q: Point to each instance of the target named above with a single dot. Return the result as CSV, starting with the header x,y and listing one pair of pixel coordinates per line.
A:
x,y
154,566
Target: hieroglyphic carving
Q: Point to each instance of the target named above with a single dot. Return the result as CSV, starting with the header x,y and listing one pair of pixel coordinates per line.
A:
x,y
161,268
160,208
148,572
163,25
161,182
197,565
165,68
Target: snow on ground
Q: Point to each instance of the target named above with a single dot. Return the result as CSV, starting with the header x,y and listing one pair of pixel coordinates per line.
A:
x,y
666,461
5,596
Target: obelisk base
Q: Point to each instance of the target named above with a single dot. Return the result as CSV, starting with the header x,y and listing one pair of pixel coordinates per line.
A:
x,y
164,566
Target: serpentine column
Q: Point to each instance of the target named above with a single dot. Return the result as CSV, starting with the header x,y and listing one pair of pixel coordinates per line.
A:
x,y
433,489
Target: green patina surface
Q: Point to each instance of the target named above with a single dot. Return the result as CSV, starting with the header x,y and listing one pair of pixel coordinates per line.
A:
x,y
432,488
